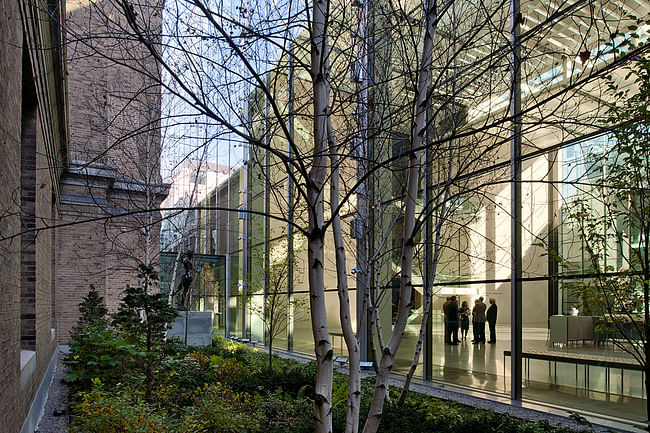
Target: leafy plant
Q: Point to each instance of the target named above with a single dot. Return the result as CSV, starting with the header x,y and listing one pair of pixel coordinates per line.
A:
x,y
282,413
99,354
145,317
92,311
218,408
96,351
611,217
98,411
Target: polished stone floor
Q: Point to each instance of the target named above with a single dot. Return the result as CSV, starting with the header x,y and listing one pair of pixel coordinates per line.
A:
x,y
610,392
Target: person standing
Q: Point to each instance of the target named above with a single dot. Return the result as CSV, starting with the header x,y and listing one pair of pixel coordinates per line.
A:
x,y
491,317
464,312
479,318
474,326
452,322
444,317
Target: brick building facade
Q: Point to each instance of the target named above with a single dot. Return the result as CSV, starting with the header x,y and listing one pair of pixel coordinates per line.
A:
x,y
114,164
78,189
33,149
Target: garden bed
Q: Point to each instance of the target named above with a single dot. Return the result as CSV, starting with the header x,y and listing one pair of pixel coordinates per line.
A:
x,y
230,388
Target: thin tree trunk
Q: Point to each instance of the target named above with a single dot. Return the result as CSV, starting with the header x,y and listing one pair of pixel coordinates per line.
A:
x,y
646,329
351,341
426,309
315,238
417,137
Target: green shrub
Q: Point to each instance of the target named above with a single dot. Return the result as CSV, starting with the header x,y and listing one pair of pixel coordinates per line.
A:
x,y
99,354
289,376
100,412
423,413
282,413
179,377
144,317
218,408
92,312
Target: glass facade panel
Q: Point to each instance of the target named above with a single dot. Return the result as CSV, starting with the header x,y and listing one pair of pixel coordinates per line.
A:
x,y
480,365
568,358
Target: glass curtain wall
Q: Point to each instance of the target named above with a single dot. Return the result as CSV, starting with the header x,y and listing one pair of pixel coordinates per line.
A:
x,y
466,231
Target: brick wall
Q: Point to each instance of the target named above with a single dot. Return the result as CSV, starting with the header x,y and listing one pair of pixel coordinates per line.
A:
x,y
109,166
25,203
10,97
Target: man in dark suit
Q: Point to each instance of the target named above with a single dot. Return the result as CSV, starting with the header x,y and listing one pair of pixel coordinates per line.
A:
x,y
491,317
451,311
444,318
478,314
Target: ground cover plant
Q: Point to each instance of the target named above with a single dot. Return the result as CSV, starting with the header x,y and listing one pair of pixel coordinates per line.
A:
x,y
227,388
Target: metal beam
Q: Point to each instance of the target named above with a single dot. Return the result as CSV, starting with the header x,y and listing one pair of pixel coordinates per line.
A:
x,y
515,188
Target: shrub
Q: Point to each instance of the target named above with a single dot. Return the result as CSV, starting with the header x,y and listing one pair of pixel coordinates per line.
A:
x,y
178,378
218,408
231,369
92,313
289,376
99,354
100,412
144,318
282,413
430,414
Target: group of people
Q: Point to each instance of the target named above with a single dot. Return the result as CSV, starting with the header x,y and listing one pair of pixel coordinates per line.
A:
x,y
458,318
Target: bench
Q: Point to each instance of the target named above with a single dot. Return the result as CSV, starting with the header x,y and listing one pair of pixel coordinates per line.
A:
x,y
365,365
587,360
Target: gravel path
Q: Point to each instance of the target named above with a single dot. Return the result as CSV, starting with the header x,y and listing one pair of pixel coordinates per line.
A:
x,y
55,417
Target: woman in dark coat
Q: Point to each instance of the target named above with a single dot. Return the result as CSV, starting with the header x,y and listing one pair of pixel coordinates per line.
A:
x,y
464,320
491,317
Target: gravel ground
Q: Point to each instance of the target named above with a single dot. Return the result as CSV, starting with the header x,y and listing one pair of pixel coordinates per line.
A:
x,y
55,417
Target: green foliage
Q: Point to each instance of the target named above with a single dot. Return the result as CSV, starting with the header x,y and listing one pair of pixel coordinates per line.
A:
x,y
229,388
96,351
289,376
93,311
142,315
429,414
219,409
99,354
145,318
100,412
282,413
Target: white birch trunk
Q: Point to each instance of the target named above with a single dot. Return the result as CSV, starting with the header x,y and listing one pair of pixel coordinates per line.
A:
x,y
417,136
351,341
426,308
315,241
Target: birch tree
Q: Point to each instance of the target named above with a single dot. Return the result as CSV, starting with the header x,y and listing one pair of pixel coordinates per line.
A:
x,y
209,49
